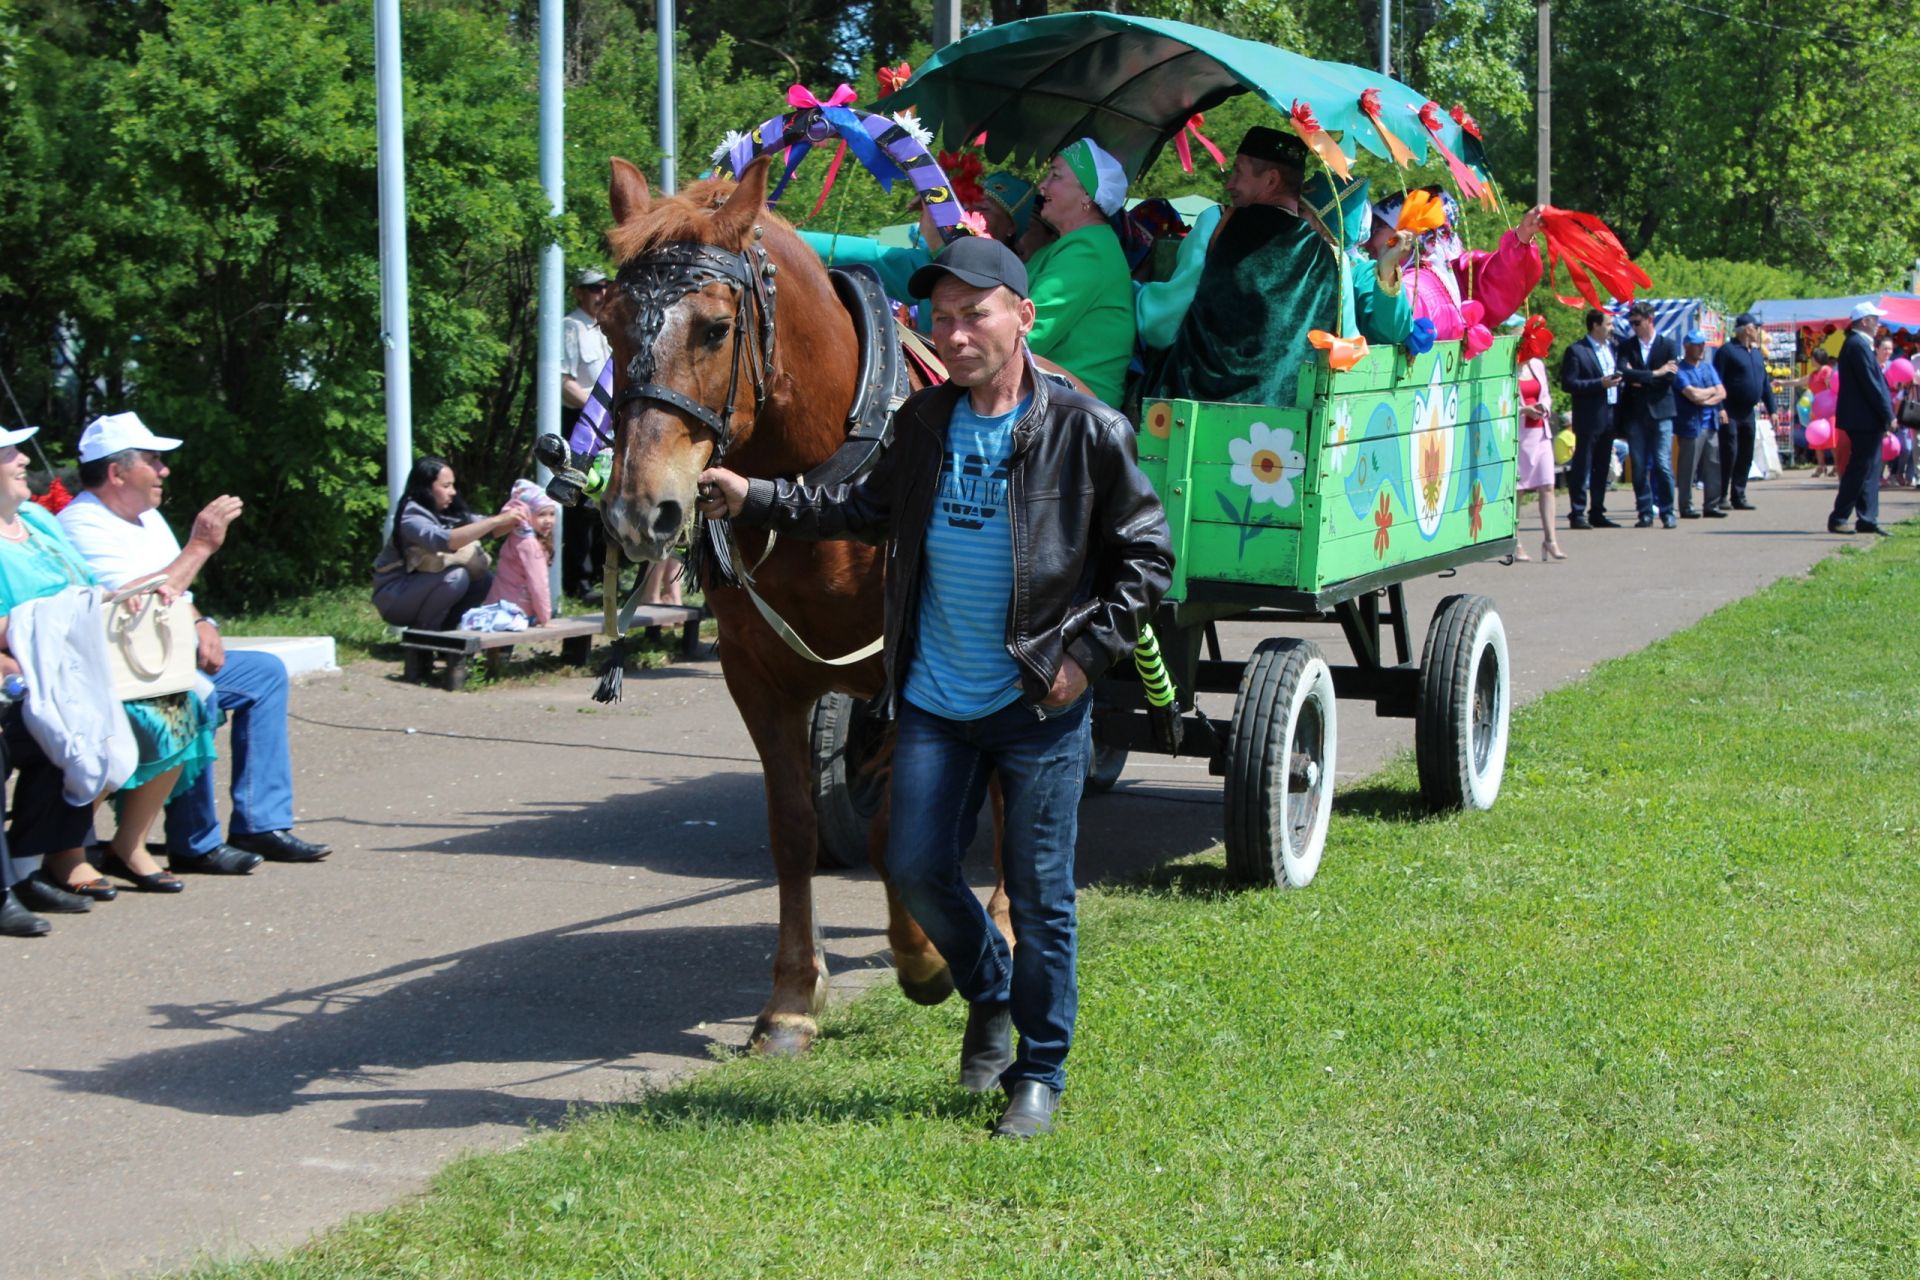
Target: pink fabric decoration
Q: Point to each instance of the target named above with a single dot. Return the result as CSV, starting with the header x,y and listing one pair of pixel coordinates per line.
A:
x,y
799,97
1500,281
1477,337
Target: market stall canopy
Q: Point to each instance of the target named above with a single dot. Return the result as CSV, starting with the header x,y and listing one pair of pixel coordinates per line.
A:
x,y
1903,309
1132,84
1672,317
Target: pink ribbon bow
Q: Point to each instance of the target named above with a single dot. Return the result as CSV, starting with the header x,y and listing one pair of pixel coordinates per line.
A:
x,y
1185,150
799,97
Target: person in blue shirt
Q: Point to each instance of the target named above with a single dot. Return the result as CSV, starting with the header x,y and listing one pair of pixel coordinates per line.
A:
x,y
1697,429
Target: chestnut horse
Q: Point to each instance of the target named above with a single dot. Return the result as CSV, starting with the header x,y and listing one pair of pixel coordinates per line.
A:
x,y
711,388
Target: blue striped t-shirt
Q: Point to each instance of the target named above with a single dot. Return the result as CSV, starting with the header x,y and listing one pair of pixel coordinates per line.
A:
x,y
961,668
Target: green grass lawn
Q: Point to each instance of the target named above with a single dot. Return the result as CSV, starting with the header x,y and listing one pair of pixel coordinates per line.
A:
x,y
1654,1016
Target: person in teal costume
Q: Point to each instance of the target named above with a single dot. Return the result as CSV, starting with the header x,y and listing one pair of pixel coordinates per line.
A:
x,y
1251,283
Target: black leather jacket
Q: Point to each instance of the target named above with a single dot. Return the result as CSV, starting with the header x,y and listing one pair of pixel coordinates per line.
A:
x,y
1091,553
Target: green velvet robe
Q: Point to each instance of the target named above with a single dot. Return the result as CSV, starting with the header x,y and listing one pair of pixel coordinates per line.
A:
x,y
1269,279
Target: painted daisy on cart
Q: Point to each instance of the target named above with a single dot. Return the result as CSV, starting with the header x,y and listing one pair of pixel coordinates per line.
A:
x,y
1266,463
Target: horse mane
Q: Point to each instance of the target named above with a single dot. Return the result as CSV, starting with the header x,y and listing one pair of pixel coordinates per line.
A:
x,y
686,216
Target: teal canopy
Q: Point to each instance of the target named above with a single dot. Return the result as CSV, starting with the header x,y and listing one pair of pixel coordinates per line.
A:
x,y
1133,83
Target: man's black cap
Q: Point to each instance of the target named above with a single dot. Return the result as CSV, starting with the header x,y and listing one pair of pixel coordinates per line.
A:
x,y
1744,319
980,261
1273,146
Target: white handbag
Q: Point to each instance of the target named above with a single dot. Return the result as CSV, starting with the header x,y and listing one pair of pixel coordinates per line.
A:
x,y
150,645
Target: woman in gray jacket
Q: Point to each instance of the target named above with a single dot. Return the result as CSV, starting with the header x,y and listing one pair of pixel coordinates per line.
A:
x,y
432,569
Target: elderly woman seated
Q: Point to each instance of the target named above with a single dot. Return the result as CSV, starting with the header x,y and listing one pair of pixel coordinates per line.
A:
x,y
1082,288
59,755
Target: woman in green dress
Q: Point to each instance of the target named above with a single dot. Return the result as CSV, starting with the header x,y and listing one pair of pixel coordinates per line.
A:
x,y
1082,288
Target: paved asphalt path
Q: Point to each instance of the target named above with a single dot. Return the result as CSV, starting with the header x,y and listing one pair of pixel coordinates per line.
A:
x,y
537,903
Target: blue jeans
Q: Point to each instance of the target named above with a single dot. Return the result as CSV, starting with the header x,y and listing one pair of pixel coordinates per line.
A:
x,y
1651,444
940,772
252,689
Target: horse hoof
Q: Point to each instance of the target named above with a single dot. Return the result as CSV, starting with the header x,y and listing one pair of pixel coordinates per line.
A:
x,y
782,1035
930,990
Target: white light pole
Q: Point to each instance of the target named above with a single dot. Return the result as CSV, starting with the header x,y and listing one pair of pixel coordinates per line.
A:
x,y
1543,182
391,163
551,305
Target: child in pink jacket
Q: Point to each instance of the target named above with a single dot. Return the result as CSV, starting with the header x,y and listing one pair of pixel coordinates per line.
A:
x,y
521,578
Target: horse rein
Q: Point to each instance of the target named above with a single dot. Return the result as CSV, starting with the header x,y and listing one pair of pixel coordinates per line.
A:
x,y
657,280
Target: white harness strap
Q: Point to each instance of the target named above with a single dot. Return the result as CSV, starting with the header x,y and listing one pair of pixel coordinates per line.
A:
x,y
787,633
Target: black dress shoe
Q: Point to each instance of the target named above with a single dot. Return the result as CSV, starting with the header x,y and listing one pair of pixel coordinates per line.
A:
x,y
986,1049
1578,522
1029,1113
1868,526
18,922
158,882
1601,522
1838,526
222,860
1689,515
1715,513
1644,522
281,846
1741,504
39,893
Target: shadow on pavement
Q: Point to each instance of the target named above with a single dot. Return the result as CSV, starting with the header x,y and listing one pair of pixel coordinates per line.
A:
x,y
593,995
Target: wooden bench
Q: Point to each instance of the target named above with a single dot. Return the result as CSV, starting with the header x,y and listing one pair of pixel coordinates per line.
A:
x,y
573,634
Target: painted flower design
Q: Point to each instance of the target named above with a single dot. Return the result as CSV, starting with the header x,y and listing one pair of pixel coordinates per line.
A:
x,y
1338,438
1432,472
1382,526
1475,506
1160,420
1266,463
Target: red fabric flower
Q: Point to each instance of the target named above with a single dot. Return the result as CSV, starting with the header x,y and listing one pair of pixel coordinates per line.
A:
x,y
55,498
892,78
1303,117
1465,121
964,171
1535,341
1382,523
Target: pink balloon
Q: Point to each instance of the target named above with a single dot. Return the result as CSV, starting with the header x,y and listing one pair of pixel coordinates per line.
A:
x,y
1889,448
1820,434
1824,403
1899,372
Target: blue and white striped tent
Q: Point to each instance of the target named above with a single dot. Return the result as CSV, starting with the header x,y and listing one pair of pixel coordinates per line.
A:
x,y
1672,317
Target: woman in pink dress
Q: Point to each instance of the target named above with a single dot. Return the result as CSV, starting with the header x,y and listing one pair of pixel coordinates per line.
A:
x,y
1535,464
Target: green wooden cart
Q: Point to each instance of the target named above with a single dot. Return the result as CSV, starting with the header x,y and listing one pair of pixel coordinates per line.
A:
x,y
1321,512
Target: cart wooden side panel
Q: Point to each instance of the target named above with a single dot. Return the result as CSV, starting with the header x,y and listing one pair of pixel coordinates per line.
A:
x,y
1386,465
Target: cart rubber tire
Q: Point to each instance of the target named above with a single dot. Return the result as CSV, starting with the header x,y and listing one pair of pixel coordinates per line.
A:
x,y
1104,763
1466,699
843,737
1277,808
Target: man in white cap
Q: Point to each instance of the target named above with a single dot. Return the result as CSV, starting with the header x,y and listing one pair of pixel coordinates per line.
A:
x,y
583,349
1864,410
116,524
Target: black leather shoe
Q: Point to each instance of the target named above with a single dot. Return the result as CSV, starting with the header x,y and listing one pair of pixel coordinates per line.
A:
x,y
1601,522
1578,522
986,1049
1029,1113
158,882
18,922
281,846
1715,513
222,860
1689,515
1741,504
1838,526
1644,522
38,893
1868,526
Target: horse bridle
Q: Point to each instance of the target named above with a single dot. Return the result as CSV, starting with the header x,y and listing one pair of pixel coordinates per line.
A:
x,y
659,278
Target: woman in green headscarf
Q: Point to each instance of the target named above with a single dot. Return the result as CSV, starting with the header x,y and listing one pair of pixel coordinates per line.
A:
x,y
1081,288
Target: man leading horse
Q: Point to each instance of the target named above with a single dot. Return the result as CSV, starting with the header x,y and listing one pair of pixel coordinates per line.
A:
x,y
1026,551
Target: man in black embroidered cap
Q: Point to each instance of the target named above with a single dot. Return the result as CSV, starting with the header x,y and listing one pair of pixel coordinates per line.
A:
x,y
1270,277
1026,552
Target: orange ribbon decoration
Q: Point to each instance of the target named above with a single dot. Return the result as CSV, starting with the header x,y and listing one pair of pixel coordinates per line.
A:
x,y
1319,139
1401,153
1185,152
1342,353
1422,212
1589,246
1463,177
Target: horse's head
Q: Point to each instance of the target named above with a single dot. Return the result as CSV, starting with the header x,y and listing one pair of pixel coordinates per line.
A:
x,y
690,320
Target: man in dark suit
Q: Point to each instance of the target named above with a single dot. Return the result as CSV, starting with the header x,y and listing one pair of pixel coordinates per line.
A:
x,y
1588,377
1863,409
1647,409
